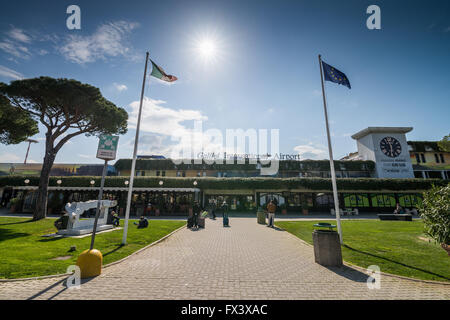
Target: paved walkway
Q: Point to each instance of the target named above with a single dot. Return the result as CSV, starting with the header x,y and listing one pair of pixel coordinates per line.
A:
x,y
245,261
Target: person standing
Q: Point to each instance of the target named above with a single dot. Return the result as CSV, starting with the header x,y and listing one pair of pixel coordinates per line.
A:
x,y
225,213
271,208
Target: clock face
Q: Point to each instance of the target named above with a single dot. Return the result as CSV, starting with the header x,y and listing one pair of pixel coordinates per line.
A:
x,y
390,147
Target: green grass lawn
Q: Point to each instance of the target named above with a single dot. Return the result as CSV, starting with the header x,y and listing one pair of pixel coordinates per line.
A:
x,y
25,253
392,245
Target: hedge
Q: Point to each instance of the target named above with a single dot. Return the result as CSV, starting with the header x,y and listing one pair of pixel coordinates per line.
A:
x,y
363,184
305,165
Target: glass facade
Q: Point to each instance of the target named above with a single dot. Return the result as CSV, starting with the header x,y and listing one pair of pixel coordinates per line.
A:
x,y
156,203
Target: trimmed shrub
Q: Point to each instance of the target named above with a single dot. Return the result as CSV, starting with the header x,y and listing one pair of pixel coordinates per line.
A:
x,y
435,213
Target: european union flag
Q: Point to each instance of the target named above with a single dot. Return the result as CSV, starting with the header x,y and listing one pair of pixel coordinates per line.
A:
x,y
334,75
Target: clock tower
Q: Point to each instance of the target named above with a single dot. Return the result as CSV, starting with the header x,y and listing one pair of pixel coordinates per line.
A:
x,y
387,147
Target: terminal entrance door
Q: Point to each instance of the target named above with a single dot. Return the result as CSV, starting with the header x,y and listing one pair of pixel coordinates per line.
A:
x,y
264,198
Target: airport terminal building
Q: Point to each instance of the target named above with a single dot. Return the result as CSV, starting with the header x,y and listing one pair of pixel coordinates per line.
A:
x,y
387,169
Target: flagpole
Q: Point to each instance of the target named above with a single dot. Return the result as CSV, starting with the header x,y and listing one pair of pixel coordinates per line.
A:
x,y
133,163
330,150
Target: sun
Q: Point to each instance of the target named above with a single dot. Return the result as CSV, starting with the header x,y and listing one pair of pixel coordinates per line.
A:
x,y
207,48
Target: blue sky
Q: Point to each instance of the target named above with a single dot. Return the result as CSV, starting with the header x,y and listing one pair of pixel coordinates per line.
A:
x,y
263,74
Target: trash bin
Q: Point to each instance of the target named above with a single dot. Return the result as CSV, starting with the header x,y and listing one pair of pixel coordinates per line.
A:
x,y
327,247
261,216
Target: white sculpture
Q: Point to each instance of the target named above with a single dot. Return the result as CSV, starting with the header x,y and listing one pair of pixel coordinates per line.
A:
x,y
76,226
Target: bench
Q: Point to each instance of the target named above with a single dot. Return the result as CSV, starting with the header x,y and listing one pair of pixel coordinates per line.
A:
x,y
395,216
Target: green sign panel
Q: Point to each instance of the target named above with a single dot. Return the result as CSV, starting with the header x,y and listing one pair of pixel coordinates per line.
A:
x,y
107,147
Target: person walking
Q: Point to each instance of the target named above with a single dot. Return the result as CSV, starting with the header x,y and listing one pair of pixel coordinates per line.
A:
x,y
195,213
213,208
271,208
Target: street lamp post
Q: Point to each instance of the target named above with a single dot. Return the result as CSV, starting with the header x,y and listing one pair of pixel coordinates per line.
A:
x,y
30,141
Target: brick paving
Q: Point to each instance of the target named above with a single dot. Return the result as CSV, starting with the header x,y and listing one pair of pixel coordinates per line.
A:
x,y
244,261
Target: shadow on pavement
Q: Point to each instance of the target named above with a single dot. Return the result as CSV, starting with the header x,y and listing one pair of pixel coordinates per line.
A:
x,y
196,229
278,228
349,273
62,282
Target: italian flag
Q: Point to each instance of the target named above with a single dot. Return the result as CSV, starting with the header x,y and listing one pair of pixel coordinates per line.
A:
x,y
159,73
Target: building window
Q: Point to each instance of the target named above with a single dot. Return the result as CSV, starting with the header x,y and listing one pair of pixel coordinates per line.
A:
x,y
436,157
184,174
423,157
442,158
178,173
163,173
157,173
409,200
356,200
383,200
199,173
204,173
417,157
324,200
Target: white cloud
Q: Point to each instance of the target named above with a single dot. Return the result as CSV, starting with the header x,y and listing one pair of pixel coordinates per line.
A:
x,y
168,133
14,48
120,87
107,41
9,157
18,43
9,73
86,156
161,120
57,140
154,144
19,35
309,151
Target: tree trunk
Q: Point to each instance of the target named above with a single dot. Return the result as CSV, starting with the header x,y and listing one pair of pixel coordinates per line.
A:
x,y
40,211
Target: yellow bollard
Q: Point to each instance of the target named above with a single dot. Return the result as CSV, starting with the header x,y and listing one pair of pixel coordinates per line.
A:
x,y
90,263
